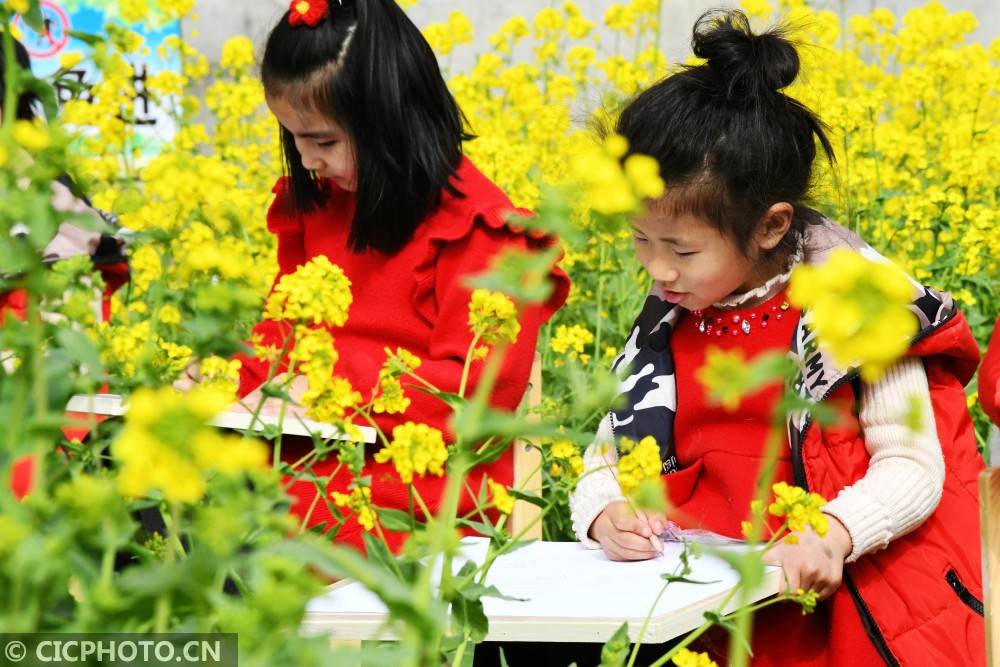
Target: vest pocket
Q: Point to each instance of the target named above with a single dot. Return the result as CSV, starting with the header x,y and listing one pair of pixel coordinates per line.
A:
x,y
963,593
680,484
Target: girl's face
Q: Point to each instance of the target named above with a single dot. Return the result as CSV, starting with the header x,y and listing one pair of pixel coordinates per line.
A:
x,y
324,145
691,261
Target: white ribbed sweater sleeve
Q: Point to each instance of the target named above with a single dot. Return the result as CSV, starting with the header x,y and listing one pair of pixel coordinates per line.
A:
x,y
902,487
905,477
598,486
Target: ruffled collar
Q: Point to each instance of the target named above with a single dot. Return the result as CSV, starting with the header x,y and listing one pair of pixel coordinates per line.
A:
x,y
765,292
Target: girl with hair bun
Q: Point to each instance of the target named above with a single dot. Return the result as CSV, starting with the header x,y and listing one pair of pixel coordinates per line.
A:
x,y
376,181
898,571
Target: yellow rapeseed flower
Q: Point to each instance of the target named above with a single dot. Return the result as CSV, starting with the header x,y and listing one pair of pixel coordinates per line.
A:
x,y
571,341
607,186
359,500
222,375
566,459
317,293
415,449
70,59
390,398
725,376
502,500
686,658
175,9
799,508
237,53
807,599
493,317
32,135
314,353
638,462
858,309
133,11
167,445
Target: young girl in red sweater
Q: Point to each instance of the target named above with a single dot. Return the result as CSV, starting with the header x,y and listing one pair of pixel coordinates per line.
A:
x,y
376,181
899,569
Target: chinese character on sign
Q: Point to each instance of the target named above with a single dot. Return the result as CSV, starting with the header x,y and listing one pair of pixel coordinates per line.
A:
x,y
59,36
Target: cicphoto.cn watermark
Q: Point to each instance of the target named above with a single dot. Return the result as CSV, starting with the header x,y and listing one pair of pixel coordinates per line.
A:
x,y
30,650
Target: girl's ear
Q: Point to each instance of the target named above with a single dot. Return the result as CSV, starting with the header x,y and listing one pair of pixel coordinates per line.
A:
x,y
773,226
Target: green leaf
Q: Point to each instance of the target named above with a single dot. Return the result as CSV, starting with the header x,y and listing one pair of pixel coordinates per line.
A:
x,y
523,276
532,498
345,562
378,552
748,564
80,349
34,18
475,423
451,400
679,579
475,591
470,617
615,650
481,527
86,37
729,627
397,520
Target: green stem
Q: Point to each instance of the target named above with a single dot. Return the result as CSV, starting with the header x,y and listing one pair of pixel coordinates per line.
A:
x,y
165,599
702,629
645,621
468,366
428,516
460,651
272,371
276,449
107,564
439,537
596,359
12,91
744,625
41,393
684,643
315,500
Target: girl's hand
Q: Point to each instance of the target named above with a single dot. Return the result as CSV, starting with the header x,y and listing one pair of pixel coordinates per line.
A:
x,y
189,378
814,563
626,535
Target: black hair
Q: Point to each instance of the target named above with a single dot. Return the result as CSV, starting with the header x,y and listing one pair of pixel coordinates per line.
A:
x,y
370,69
729,143
26,101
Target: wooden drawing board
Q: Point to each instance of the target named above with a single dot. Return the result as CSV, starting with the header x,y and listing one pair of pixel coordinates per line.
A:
x,y
238,419
571,594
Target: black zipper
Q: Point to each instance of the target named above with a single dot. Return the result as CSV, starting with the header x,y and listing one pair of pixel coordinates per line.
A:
x,y
870,626
964,594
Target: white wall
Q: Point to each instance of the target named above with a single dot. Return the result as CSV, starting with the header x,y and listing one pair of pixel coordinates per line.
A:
x,y
220,19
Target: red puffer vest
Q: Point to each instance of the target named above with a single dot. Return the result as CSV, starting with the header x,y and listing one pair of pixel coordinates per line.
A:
x,y
920,599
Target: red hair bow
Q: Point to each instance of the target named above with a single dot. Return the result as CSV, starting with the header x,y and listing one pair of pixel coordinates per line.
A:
x,y
310,12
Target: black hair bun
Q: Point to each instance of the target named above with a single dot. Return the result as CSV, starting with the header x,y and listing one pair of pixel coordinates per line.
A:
x,y
749,66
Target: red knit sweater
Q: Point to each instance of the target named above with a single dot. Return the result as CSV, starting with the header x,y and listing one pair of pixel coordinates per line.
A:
x,y
719,450
415,299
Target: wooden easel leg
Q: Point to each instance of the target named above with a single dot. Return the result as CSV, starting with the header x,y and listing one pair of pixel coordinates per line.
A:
x,y
989,504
